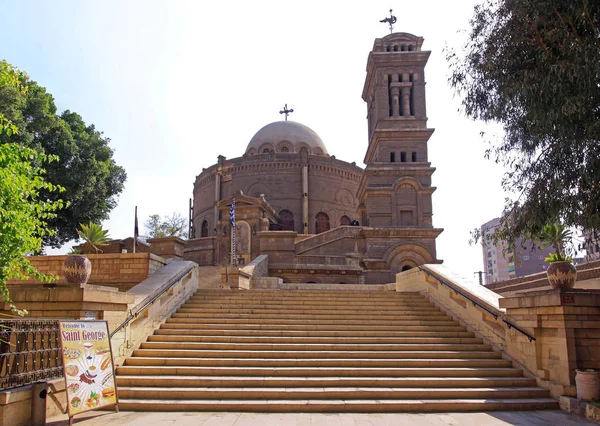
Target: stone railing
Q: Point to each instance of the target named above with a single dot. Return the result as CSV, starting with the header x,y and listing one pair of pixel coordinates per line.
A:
x,y
588,277
256,274
327,238
155,299
549,334
326,260
119,270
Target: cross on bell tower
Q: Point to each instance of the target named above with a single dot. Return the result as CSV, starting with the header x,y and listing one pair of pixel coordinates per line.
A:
x,y
286,111
391,20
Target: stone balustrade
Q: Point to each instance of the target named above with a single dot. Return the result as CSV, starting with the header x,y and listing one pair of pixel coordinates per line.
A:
x,y
565,325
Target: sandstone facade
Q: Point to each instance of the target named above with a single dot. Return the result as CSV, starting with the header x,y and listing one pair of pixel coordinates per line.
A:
x,y
295,201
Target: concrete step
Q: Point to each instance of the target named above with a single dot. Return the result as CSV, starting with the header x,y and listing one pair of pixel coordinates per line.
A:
x,y
325,393
319,343
293,303
322,351
300,382
183,351
248,330
303,319
401,313
134,367
307,347
164,358
308,314
309,325
335,406
305,293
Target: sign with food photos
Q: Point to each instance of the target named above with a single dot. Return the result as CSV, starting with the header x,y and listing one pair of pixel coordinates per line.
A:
x,y
88,365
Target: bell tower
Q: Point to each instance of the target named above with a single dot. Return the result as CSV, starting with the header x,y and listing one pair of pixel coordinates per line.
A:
x,y
395,190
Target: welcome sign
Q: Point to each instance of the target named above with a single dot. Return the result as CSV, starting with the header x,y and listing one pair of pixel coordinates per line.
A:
x,y
88,365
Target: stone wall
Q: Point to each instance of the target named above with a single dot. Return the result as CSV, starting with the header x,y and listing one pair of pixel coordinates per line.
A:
x,y
332,186
201,250
119,270
258,268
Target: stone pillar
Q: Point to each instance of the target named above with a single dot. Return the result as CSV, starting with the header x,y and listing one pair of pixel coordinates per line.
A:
x,y
406,96
395,97
217,197
567,330
305,198
419,97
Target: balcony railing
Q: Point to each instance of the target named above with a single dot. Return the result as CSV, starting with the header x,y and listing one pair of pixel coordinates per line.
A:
x,y
29,352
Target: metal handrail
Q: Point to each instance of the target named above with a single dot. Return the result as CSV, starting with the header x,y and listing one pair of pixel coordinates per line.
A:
x,y
476,303
151,300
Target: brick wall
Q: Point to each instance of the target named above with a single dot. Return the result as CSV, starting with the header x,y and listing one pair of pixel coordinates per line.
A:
x,y
121,270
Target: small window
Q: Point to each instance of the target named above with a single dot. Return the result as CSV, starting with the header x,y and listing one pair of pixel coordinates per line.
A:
x,y
285,149
414,157
392,157
266,151
403,157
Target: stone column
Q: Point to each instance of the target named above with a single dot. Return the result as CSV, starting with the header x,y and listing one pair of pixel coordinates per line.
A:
x,y
395,97
406,96
305,198
217,199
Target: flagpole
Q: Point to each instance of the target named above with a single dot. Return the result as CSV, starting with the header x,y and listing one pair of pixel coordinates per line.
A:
x,y
135,231
233,232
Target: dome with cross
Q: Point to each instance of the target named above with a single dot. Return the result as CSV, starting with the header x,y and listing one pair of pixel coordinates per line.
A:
x,y
286,136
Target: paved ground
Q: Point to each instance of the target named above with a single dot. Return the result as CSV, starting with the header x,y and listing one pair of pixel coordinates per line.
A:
x,y
530,418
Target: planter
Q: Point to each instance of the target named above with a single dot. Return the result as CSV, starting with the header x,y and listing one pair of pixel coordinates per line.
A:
x,y
77,269
561,275
588,385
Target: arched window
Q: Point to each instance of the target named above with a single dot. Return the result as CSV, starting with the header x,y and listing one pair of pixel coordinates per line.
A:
x,y
345,221
204,229
287,220
322,223
266,151
406,268
285,149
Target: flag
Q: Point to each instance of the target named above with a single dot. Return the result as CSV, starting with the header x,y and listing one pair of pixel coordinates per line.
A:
x,y
136,231
232,213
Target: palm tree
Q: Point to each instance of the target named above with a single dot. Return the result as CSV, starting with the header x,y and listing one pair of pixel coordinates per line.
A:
x,y
94,237
556,235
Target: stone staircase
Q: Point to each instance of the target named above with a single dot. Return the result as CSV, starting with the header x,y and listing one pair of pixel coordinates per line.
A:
x,y
319,351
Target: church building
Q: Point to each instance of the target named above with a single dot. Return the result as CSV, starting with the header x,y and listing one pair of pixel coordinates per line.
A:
x,y
321,219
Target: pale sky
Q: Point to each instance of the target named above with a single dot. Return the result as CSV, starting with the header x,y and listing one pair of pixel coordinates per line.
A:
x,y
175,84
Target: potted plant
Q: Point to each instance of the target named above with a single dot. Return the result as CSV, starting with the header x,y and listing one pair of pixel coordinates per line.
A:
x,y
77,268
561,272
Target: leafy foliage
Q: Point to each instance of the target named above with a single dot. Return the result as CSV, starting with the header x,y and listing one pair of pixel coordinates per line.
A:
x,y
23,214
557,236
534,67
93,236
166,226
85,167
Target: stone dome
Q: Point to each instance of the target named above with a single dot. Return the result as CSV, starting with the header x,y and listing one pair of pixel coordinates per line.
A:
x,y
286,136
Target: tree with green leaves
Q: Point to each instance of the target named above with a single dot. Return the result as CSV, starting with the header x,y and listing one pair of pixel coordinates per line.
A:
x,y
533,66
166,226
24,212
85,165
